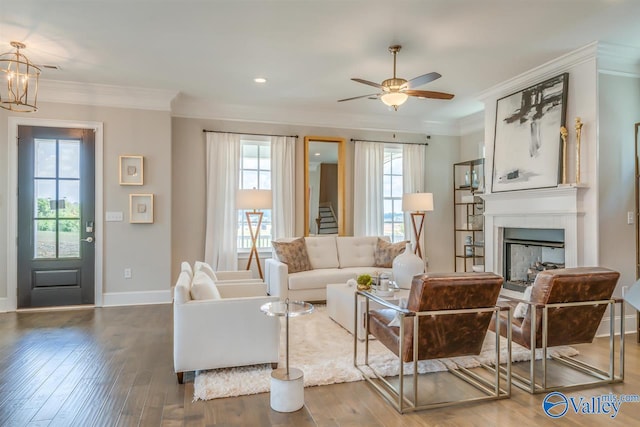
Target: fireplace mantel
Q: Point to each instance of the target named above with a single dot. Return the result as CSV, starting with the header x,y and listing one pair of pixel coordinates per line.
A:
x,y
562,200
558,207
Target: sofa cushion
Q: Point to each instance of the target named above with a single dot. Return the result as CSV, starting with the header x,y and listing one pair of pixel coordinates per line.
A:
x,y
386,252
314,279
371,271
205,268
181,292
322,251
356,251
186,267
203,287
294,254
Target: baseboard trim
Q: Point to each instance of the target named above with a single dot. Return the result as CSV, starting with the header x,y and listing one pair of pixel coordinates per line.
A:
x,y
111,299
3,305
630,325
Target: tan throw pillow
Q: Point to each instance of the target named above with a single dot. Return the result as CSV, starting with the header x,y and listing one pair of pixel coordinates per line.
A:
x,y
294,254
386,252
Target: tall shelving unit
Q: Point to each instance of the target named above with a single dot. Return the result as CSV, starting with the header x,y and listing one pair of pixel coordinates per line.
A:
x,y
468,214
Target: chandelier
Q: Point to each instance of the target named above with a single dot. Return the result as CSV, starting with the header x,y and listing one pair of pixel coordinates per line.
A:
x,y
19,92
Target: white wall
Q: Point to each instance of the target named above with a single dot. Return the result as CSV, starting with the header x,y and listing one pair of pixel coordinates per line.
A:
x,y
471,146
581,102
619,110
188,152
442,153
145,248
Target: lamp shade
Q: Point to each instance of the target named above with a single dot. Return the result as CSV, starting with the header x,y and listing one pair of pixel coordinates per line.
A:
x,y
394,99
417,202
253,199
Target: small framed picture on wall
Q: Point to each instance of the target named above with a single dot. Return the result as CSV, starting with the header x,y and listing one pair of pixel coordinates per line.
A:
x,y
141,208
131,170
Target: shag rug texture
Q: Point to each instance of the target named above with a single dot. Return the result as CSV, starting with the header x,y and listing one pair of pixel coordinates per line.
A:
x,y
323,350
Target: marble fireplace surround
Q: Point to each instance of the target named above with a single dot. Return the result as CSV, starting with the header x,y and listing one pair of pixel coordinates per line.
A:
x,y
558,207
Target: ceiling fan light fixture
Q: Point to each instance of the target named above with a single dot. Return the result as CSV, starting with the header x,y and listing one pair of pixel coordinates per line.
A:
x,y
18,81
394,99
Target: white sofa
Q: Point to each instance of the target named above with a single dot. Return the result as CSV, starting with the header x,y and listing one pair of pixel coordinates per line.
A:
x,y
226,331
334,259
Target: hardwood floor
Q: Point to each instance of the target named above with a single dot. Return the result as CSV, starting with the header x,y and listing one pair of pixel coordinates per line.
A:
x,y
114,367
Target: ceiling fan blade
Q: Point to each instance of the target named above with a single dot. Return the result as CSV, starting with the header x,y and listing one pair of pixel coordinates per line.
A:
x,y
421,80
367,82
358,97
428,94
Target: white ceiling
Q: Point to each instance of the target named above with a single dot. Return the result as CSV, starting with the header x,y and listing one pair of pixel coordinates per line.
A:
x,y
210,51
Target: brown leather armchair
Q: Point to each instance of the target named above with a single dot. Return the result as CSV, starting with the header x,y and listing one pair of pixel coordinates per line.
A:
x,y
450,314
569,306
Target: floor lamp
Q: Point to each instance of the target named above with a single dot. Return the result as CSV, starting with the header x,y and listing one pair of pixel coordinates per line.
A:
x,y
417,204
254,199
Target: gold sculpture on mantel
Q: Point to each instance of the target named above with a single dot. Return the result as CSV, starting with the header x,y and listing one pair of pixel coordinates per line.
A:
x,y
563,134
578,135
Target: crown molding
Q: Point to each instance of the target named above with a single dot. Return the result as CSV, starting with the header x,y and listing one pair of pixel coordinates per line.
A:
x,y
540,73
471,123
618,60
105,95
190,107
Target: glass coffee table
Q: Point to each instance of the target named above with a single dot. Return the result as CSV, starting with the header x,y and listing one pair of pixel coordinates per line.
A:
x,y
287,384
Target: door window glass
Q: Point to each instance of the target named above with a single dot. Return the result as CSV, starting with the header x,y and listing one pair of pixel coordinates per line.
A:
x,y
56,183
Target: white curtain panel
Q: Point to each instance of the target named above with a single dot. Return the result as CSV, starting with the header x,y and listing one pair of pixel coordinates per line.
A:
x,y
223,168
283,157
413,176
368,217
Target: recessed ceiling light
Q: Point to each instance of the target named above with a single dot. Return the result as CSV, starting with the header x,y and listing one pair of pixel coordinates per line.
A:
x,y
316,154
260,80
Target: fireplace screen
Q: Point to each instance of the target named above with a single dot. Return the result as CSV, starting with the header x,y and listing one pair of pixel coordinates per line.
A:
x,y
528,251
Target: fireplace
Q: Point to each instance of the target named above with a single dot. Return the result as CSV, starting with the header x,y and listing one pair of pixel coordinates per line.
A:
x,y
548,209
528,251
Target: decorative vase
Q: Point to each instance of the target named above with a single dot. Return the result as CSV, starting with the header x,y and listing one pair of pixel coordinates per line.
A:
x,y
405,266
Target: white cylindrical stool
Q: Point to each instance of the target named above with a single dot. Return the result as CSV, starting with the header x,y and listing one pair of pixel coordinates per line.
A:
x,y
287,391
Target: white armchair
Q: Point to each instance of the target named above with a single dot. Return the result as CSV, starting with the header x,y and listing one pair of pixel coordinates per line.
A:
x,y
225,332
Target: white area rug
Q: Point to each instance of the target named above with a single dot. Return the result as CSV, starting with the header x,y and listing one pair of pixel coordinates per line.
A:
x,y
324,352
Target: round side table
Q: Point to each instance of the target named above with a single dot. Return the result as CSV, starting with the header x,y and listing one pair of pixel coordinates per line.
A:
x,y
287,384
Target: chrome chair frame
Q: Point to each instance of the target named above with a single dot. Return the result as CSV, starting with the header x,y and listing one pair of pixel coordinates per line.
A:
x,y
602,377
395,397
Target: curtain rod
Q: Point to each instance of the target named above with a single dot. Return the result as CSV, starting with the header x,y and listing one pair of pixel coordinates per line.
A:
x,y
244,133
390,142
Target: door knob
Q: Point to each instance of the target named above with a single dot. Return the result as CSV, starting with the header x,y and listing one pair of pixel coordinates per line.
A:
x,y
88,239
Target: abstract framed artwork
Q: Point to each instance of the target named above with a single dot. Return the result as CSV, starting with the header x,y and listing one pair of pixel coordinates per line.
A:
x,y
527,145
141,208
131,170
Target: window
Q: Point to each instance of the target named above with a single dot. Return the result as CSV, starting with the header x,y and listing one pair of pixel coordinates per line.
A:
x,y
56,184
255,172
392,193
